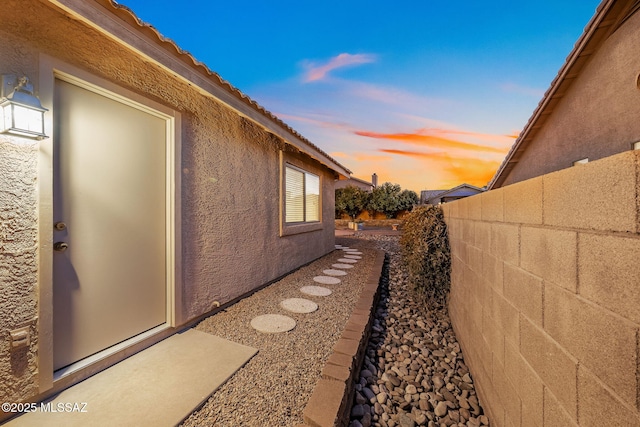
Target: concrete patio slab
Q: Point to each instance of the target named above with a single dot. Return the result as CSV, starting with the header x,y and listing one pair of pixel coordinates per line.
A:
x,y
159,386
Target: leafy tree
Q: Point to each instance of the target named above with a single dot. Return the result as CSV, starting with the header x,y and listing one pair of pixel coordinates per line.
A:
x,y
386,199
351,200
390,199
407,199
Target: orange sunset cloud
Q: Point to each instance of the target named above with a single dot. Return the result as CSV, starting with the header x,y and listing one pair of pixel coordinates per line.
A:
x,y
432,141
455,171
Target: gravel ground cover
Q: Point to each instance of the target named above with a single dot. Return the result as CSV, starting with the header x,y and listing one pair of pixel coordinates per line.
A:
x,y
413,372
273,388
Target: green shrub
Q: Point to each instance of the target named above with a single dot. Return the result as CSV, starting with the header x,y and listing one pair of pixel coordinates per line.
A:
x,y
426,253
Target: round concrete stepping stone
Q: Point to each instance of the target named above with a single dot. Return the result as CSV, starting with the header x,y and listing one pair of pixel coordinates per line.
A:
x,y
349,249
317,291
273,323
353,256
339,246
299,305
327,280
334,272
344,266
354,253
348,260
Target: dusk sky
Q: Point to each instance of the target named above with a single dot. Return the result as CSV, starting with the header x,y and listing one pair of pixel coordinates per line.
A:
x,y
427,94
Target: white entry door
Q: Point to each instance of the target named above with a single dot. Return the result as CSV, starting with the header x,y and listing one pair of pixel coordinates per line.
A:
x,y
110,221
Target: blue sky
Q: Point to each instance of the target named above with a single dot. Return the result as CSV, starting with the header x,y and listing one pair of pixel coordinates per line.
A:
x,y
426,94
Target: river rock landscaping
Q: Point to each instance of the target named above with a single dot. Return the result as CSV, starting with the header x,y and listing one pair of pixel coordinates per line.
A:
x,y
413,372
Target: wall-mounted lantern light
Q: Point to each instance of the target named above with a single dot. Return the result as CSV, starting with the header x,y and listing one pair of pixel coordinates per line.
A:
x,y
20,110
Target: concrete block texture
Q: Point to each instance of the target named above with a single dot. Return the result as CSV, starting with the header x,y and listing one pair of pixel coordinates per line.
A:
x,y
469,232
507,393
483,235
505,242
608,272
550,254
507,317
600,340
474,207
554,413
554,365
494,335
599,405
524,291
474,259
523,202
599,195
493,272
527,383
492,205
463,207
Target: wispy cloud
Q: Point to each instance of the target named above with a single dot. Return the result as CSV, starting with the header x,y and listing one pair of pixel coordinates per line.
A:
x,y
455,170
432,141
320,71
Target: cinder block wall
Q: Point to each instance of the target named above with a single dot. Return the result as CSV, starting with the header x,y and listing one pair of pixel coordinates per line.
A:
x,y
545,295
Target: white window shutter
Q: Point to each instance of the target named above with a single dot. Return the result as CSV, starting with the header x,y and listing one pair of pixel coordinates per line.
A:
x,y
294,199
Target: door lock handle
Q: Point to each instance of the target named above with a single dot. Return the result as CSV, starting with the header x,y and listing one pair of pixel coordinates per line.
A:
x,y
60,246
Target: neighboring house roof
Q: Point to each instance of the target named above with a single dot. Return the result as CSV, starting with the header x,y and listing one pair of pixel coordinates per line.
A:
x,y
353,181
361,181
428,194
194,71
462,190
610,14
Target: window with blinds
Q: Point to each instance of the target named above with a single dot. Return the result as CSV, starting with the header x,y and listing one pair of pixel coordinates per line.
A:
x,y
302,196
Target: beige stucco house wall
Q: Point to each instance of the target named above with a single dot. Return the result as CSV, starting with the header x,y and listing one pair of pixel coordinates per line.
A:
x,y
591,109
228,233
545,283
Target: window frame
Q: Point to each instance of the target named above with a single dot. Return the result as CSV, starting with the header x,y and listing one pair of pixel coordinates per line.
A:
x,y
289,228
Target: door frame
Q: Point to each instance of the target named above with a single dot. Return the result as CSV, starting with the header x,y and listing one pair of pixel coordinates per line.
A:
x,y
51,69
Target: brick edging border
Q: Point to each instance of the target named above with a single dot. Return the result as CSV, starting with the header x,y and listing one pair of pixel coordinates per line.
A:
x,y
332,397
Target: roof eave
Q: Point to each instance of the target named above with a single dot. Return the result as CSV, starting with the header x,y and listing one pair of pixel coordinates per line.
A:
x,y
120,24
561,79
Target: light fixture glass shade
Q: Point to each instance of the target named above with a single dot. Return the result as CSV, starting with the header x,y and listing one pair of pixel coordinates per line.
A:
x,y
22,114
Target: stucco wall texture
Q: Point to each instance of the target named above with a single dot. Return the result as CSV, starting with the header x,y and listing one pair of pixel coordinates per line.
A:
x,y
230,174
18,265
597,116
545,293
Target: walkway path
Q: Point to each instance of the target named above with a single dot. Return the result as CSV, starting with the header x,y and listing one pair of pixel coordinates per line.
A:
x,y
273,388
